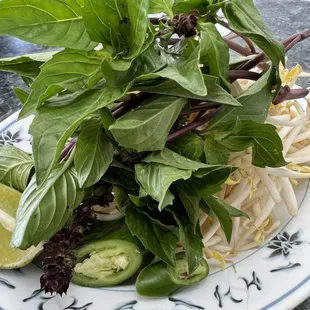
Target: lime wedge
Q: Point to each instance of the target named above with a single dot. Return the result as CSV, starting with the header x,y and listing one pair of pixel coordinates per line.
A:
x,y
11,258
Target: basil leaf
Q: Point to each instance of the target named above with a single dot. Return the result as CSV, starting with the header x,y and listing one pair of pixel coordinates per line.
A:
x,y
68,69
214,52
236,61
120,25
182,6
208,182
155,180
161,6
121,176
147,128
178,71
190,237
51,23
21,94
216,153
190,201
173,159
189,145
15,167
27,65
121,199
93,155
216,173
266,143
255,102
107,119
56,122
99,229
44,210
224,213
215,92
243,17
139,201
155,236
147,62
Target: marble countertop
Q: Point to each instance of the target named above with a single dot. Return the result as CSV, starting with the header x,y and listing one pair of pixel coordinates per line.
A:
x,y
284,17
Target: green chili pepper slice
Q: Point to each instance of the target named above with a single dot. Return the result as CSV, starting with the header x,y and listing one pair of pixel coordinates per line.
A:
x,y
158,279
106,263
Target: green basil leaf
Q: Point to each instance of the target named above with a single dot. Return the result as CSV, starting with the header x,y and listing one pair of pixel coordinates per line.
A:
x,y
147,128
170,88
190,201
68,69
216,153
119,63
215,173
182,6
21,94
56,122
139,201
155,179
255,102
120,175
100,229
234,212
207,182
224,213
107,119
147,62
228,129
266,143
93,155
51,23
44,210
27,65
190,237
190,145
236,61
121,199
173,159
161,6
243,17
214,52
27,80
120,25
155,236
178,71
15,167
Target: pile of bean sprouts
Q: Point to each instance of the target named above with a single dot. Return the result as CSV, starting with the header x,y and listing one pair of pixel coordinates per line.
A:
x,y
254,190
257,191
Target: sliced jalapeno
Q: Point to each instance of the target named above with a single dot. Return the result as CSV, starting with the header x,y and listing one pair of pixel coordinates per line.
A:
x,y
159,279
106,263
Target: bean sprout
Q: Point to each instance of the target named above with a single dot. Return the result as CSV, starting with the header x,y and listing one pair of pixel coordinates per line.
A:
x,y
257,191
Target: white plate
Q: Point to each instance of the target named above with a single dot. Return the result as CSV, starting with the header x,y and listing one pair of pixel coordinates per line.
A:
x,y
275,276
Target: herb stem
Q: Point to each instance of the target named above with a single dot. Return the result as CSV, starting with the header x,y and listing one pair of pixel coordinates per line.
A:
x,y
243,74
193,125
205,106
173,41
156,20
237,47
288,44
246,40
68,149
286,93
133,102
292,43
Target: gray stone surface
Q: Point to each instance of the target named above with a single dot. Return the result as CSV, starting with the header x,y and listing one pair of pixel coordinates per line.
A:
x,y
10,47
284,17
